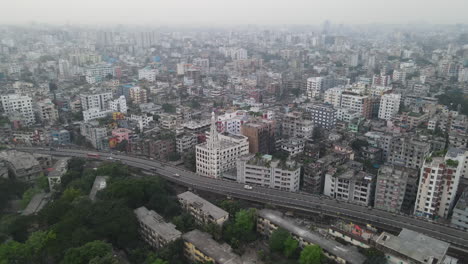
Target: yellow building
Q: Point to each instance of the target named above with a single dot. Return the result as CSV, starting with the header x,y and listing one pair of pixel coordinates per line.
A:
x,y
199,247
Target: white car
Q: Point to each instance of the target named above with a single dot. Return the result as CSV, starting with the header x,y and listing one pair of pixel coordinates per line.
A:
x,y
176,175
248,187
110,158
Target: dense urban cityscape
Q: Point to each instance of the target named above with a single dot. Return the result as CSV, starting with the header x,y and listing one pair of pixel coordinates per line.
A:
x,y
237,144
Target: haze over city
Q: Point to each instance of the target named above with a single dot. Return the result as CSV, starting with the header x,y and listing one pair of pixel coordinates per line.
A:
x,y
221,12
233,132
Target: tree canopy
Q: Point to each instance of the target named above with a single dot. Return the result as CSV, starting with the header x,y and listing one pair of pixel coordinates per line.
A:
x,y
311,255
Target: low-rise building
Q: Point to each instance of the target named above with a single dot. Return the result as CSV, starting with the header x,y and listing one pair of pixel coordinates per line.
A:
x,y
396,188
412,247
268,172
94,113
154,230
24,166
100,183
293,146
59,137
460,212
95,134
268,221
203,211
186,142
58,170
349,183
199,247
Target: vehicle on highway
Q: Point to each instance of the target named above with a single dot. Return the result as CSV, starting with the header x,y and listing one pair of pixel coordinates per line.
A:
x,y
248,187
176,174
110,158
93,155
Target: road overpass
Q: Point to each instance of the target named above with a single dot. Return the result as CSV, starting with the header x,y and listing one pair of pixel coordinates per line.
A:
x,y
293,200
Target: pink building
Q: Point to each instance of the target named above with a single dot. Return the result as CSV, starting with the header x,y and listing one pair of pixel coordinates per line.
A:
x,y
121,134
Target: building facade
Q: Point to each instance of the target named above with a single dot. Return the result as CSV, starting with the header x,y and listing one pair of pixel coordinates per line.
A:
x,y
203,211
267,172
220,152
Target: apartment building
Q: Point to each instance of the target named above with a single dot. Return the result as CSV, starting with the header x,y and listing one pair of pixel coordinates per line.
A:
x,y
138,95
333,96
460,212
268,172
18,104
200,247
314,87
203,211
314,172
356,102
323,116
147,74
396,189
118,105
95,134
98,72
154,230
186,142
389,106
268,221
461,155
46,111
231,122
99,100
261,135
349,183
220,152
23,166
438,187
408,152
295,125
94,113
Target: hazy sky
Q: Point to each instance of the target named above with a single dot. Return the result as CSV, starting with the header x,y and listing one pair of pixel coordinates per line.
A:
x,y
233,11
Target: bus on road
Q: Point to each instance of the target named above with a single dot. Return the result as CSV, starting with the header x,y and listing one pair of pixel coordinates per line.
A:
x,y
93,155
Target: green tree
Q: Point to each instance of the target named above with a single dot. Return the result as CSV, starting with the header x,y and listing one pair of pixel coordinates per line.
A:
x,y
87,252
42,182
374,256
245,222
184,222
311,255
169,108
277,239
290,246
159,261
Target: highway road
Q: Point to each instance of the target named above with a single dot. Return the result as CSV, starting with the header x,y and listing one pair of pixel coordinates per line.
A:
x,y
300,201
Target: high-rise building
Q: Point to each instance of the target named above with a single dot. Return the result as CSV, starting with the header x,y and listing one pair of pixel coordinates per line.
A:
x,y
261,135
220,152
294,125
396,188
147,74
14,104
389,106
349,183
314,87
118,105
357,102
268,172
46,111
323,116
138,95
98,72
407,151
99,100
333,96
438,186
